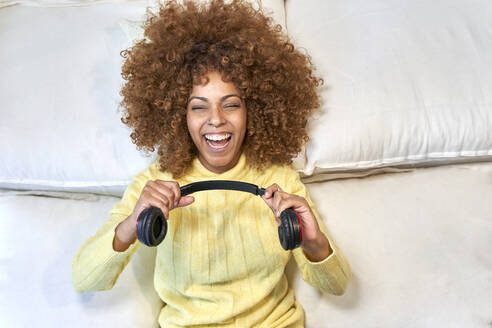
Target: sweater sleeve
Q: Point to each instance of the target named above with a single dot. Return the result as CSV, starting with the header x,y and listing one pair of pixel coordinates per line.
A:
x,y
97,265
330,275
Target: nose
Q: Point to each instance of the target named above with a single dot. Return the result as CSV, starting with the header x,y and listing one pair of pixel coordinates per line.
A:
x,y
216,117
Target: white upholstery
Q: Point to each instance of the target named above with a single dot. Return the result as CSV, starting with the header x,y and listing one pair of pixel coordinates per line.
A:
x,y
419,246
406,81
61,75
402,86
418,243
59,90
40,236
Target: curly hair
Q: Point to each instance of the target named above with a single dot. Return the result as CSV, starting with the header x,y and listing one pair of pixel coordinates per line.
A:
x,y
183,42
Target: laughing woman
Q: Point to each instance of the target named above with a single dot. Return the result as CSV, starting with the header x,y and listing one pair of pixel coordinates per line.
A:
x,y
222,94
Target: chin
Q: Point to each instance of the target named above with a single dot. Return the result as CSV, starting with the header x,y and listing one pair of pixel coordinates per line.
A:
x,y
220,162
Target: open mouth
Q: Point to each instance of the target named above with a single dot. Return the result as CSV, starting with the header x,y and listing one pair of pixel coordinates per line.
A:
x,y
218,141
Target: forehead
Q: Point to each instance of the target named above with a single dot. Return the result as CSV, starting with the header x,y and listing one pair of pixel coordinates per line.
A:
x,y
213,85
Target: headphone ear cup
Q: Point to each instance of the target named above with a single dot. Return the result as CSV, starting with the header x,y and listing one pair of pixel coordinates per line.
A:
x,y
284,232
289,231
151,226
140,229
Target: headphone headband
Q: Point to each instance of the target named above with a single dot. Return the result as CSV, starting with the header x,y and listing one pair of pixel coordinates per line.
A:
x,y
222,185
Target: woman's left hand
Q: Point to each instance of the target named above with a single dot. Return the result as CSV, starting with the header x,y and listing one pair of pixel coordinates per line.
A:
x,y
314,242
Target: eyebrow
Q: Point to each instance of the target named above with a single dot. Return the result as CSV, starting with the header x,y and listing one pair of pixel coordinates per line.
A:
x,y
206,99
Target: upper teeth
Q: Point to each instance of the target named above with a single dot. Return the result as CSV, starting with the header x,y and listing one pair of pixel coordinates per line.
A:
x,y
217,137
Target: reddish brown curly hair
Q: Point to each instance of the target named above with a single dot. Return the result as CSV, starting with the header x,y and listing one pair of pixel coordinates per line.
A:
x,y
184,41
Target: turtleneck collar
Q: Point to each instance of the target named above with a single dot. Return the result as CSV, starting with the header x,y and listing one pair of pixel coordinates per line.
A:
x,y
199,172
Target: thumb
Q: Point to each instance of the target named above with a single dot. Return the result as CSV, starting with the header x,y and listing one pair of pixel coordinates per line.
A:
x,y
268,201
185,201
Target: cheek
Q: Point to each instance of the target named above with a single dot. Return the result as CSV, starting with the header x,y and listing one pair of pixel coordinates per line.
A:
x,y
193,125
193,132
244,122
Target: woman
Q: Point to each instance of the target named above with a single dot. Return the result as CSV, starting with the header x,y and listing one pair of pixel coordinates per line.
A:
x,y
223,95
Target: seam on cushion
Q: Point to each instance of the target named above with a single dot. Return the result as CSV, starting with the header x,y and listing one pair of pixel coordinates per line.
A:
x,y
57,183
59,4
431,156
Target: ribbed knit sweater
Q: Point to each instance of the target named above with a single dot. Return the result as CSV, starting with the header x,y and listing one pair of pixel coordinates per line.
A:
x,y
221,263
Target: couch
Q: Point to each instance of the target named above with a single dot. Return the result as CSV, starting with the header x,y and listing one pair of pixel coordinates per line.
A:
x,y
399,163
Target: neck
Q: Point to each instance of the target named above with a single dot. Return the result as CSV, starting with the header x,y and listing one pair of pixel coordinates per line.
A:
x,y
220,169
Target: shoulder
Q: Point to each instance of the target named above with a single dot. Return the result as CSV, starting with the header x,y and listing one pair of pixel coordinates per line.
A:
x,y
283,175
154,172
133,190
151,172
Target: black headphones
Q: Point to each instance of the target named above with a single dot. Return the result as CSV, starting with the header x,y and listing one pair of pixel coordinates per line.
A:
x,y
152,226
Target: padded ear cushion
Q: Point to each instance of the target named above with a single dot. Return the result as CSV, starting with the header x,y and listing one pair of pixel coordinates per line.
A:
x,y
151,226
282,233
289,231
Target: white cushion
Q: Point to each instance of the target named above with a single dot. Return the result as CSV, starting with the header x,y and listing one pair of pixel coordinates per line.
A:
x,y
61,76
66,3
406,82
419,247
40,237
418,244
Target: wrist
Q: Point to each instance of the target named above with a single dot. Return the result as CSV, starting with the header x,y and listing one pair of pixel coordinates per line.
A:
x,y
317,249
124,235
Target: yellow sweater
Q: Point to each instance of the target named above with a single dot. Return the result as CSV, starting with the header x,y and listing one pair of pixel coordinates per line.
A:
x,y
221,263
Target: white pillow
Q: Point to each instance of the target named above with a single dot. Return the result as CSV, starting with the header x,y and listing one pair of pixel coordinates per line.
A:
x,y
271,8
64,3
61,77
406,82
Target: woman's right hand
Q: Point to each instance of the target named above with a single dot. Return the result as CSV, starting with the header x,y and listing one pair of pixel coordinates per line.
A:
x,y
165,195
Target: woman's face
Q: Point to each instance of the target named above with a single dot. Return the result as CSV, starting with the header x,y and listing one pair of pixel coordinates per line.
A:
x,y
216,118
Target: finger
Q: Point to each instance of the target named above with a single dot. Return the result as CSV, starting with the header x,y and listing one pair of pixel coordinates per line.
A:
x,y
277,201
270,191
185,201
174,186
297,203
170,189
149,200
271,196
154,190
164,207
